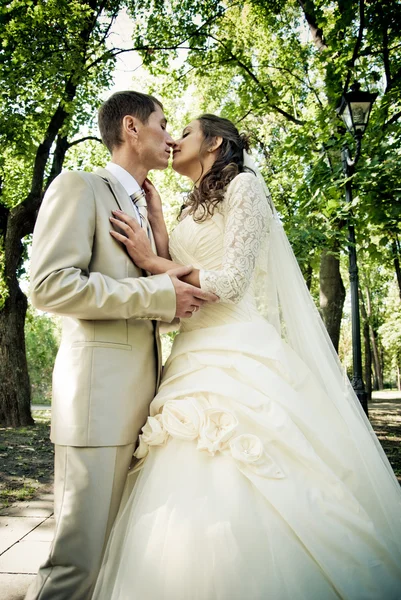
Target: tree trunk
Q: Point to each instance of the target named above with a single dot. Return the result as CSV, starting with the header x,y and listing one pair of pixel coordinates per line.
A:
x,y
368,362
308,276
15,391
373,339
310,16
376,359
332,295
397,263
368,351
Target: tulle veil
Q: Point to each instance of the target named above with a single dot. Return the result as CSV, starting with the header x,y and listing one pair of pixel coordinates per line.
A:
x,y
287,304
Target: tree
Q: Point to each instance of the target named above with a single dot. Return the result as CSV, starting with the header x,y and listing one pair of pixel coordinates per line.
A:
x,y
51,68
42,341
256,66
390,333
251,61
54,60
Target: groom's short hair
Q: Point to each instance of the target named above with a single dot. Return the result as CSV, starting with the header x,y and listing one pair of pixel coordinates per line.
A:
x,y
120,104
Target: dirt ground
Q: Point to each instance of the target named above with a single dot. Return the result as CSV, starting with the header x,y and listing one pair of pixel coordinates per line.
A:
x,y
385,417
26,454
26,461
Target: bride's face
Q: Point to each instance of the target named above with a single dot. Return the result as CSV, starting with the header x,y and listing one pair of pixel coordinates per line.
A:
x,y
188,152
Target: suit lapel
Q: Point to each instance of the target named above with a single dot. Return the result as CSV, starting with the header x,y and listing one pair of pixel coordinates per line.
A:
x,y
124,203
121,197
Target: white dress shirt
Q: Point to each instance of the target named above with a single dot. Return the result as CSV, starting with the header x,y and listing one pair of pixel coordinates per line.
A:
x,y
128,182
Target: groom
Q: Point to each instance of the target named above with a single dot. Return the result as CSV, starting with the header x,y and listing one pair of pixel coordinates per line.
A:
x,y
108,364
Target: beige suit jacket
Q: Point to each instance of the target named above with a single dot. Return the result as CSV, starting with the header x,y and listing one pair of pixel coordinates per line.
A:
x,y
108,364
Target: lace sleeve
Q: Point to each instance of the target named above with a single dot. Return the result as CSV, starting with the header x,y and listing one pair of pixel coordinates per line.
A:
x,y
246,224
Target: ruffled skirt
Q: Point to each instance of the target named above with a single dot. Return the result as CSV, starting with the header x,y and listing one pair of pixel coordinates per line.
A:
x,y
252,485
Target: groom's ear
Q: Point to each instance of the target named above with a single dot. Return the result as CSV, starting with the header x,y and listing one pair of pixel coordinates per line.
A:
x,y
130,126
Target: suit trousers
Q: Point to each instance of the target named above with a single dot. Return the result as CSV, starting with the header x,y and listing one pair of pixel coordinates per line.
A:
x,y
89,483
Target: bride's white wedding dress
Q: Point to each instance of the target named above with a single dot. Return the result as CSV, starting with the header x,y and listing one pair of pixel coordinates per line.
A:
x,y
251,485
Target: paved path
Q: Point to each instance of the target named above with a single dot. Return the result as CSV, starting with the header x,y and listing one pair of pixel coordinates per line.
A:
x,y
26,531
26,528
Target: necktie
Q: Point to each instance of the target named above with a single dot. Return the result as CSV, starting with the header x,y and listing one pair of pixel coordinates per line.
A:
x,y
138,198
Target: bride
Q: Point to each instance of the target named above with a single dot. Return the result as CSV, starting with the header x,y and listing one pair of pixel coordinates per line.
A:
x,y
259,476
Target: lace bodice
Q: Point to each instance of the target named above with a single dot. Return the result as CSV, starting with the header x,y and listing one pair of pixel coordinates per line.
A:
x,y
225,248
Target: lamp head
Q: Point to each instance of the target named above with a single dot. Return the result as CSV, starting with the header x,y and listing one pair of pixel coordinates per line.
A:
x,y
355,109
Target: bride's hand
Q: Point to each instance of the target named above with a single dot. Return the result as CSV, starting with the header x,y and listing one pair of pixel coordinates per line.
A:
x,y
153,200
134,238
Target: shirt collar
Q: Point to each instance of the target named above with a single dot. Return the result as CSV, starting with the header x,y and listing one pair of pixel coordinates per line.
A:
x,y
128,182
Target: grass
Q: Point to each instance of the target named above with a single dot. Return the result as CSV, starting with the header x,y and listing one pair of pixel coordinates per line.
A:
x,y
26,461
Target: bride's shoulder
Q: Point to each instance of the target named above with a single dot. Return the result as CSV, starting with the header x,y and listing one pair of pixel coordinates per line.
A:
x,y
245,179
246,183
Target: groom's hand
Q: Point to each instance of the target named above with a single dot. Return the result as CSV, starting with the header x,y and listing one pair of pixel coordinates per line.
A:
x,y
188,297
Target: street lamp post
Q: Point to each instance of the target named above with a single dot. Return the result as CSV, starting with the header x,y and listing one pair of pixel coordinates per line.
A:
x,y
355,109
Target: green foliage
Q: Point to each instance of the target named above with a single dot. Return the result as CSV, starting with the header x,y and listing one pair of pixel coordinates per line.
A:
x,y
274,69
86,156
47,63
42,338
390,331
254,62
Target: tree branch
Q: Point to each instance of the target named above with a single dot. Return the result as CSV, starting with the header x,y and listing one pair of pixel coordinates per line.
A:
x,y
297,77
58,159
84,139
107,30
393,119
357,44
369,52
244,116
386,55
258,83
4,211
116,51
312,88
209,21
177,46
310,16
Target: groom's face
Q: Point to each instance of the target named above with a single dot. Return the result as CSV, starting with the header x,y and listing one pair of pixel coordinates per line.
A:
x,y
154,142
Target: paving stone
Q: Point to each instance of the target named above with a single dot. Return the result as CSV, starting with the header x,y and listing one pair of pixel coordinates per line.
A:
x,y
43,533
14,587
38,507
24,557
13,529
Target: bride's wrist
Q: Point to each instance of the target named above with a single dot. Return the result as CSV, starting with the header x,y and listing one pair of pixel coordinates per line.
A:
x,y
155,216
152,264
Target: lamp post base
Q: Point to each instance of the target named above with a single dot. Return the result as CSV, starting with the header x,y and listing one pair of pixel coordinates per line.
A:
x,y
361,394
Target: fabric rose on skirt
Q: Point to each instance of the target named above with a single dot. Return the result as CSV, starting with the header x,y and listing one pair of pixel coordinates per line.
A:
x,y
182,419
248,451
218,427
153,434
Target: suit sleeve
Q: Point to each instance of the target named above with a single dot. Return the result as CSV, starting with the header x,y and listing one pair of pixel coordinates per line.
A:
x,y
61,281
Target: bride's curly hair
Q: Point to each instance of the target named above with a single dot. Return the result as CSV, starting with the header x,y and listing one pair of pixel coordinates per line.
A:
x,y
204,199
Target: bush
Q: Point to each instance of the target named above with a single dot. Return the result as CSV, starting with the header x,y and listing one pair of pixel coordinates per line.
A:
x,y
42,338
